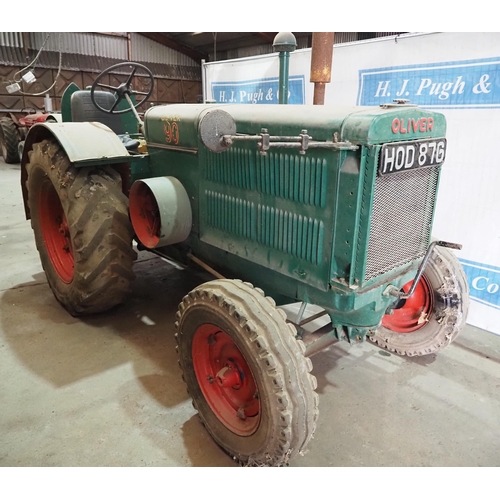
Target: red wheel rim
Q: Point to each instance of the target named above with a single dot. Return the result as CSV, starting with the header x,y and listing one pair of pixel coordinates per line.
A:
x,y
145,214
226,380
55,231
413,313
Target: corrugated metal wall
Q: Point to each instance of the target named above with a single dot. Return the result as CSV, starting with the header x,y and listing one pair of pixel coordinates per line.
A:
x,y
90,50
90,44
11,39
84,56
145,49
302,43
257,50
350,36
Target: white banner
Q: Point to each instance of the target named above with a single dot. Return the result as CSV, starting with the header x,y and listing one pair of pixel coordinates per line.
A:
x,y
457,74
254,80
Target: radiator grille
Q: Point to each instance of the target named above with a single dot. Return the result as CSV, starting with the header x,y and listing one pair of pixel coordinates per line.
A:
x,y
289,176
235,167
293,177
290,233
400,228
231,214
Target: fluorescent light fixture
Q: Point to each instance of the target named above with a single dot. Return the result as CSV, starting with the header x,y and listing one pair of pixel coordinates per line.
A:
x,y
29,77
14,87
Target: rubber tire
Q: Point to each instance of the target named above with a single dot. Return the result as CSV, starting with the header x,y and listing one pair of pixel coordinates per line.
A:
x,y
9,140
100,230
289,403
451,304
20,149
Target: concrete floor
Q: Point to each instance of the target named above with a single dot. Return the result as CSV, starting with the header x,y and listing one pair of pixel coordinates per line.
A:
x,y
107,390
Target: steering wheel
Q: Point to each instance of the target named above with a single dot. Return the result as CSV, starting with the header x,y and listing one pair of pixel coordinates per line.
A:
x,y
124,88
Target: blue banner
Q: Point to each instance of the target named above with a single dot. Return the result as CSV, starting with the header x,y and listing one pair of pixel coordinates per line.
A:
x,y
458,84
484,282
262,91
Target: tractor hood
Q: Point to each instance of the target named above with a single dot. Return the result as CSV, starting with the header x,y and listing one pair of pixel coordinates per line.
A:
x,y
176,126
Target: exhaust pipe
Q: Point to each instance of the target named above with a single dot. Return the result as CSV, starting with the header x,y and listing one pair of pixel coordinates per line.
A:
x,y
321,64
284,43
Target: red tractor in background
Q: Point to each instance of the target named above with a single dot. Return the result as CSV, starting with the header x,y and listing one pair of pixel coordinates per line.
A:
x,y
13,131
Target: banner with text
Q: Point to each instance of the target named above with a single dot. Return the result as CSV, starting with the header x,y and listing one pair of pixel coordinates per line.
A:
x,y
460,84
262,91
255,80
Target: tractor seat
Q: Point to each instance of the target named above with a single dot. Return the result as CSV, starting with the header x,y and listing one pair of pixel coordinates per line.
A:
x,y
83,110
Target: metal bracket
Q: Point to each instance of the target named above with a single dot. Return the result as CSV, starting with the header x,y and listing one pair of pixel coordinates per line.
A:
x,y
303,141
397,103
392,290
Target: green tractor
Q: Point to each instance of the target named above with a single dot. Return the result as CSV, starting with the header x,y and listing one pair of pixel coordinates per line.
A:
x,y
281,204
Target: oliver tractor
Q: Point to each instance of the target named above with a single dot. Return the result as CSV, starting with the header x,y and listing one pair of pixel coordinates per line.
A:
x,y
282,204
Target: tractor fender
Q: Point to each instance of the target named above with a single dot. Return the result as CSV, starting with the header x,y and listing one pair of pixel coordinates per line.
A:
x,y
54,117
85,143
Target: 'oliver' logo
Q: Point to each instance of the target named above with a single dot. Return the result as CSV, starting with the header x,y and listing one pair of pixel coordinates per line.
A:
x,y
401,126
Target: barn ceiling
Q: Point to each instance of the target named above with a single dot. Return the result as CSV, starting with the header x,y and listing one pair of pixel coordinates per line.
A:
x,y
202,45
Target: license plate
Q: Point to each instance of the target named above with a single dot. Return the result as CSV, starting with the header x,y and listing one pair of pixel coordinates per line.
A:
x,y
402,156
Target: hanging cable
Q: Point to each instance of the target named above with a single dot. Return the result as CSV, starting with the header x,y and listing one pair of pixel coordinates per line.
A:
x,y
34,60
57,76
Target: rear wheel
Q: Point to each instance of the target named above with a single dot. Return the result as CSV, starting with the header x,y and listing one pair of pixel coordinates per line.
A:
x,y
20,149
9,140
246,372
82,230
433,316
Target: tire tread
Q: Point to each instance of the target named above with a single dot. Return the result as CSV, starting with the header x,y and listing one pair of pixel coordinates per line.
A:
x,y
280,354
100,230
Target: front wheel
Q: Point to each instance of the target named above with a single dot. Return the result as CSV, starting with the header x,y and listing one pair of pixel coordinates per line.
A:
x,y
82,230
433,316
246,373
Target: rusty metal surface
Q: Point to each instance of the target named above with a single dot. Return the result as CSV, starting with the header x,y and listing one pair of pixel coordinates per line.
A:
x,y
319,93
321,57
321,64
